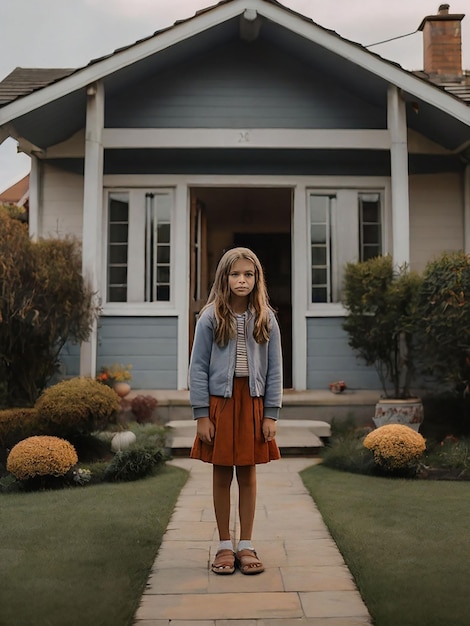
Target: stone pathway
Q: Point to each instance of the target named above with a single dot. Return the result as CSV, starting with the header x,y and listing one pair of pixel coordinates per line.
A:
x,y
306,582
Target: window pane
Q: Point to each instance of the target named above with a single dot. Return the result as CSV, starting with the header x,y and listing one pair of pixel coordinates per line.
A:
x,y
118,254
371,252
117,294
163,254
318,234
118,275
118,233
319,276
163,233
318,255
319,294
371,234
163,293
163,274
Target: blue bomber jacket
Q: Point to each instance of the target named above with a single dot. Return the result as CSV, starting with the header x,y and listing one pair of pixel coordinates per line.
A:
x,y
212,367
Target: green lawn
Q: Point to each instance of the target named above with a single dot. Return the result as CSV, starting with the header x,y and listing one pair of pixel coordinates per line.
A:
x,y
81,556
407,543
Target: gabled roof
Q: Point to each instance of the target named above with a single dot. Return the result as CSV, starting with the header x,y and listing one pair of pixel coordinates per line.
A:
x,y
353,65
23,81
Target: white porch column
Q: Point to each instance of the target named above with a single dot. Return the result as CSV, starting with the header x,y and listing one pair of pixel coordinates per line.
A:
x,y
92,211
466,208
396,120
34,195
299,290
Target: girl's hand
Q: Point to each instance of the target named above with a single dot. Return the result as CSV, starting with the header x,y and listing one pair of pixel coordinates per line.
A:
x,y
269,428
205,430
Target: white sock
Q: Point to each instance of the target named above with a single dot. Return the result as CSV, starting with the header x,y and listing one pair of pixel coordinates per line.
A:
x,y
226,545
245,544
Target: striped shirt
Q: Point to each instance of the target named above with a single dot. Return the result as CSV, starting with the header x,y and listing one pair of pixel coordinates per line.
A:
x,y
241,364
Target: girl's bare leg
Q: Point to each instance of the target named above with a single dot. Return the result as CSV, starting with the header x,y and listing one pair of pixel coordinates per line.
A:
x,y
221,480
246,477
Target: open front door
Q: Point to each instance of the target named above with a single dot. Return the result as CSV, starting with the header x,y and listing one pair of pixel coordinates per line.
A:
x,y
198,264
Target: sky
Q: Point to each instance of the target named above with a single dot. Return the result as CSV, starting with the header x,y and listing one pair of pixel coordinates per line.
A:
x,y
70,33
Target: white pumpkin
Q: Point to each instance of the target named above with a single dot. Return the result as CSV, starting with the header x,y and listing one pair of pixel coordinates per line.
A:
x,y
122,440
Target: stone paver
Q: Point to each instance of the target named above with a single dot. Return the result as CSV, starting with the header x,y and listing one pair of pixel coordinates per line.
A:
x,y
306,582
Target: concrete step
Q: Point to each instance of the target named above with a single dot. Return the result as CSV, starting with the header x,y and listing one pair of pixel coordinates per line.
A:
x,y
294,437
173,405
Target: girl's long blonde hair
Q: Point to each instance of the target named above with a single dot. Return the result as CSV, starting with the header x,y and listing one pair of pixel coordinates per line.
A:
x,y
220,296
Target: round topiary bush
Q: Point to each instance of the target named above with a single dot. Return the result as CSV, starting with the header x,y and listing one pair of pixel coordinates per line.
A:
x,y
41,456
17,424
78,405
395,447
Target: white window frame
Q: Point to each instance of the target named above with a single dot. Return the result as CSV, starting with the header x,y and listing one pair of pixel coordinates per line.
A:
x,y
344,246
136,304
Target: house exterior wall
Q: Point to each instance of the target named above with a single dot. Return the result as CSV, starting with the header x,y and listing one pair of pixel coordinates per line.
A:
x,y
148,343
61,203
436,216
329,357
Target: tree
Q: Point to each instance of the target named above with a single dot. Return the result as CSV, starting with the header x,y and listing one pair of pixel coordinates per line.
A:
x,y
444,305
382,320
44,302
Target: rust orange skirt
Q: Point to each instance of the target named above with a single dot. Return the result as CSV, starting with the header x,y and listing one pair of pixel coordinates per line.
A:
x,y
238,436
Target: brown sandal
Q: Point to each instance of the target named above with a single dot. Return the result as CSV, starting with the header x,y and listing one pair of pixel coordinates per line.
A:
x,y
249,563
224,562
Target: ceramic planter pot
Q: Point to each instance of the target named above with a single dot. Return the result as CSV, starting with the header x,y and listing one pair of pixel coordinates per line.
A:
x,y
408,412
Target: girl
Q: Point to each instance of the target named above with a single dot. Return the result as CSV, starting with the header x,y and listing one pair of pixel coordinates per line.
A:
x,y
235,384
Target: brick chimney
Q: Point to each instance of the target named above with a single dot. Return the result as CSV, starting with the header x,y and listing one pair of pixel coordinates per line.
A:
x,y
442,46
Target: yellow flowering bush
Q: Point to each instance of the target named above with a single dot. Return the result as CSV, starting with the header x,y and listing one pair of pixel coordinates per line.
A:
x,y
395,446
41,456
77,405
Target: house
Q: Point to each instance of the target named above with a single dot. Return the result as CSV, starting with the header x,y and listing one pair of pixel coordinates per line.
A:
x,y
17,194
246,124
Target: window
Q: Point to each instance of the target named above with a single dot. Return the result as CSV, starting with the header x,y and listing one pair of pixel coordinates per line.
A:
x,y
139,245
320,238
370,228
118,209
345,225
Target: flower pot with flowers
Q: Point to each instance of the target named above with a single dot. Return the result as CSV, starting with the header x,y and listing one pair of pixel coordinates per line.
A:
x,y
382,324
116,376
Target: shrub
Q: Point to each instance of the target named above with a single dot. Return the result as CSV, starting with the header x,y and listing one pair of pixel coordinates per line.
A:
x,y
395,447
17,424
134,463
382,320
347,453
143,407
45,303
78,405
444,305
41,456
452,453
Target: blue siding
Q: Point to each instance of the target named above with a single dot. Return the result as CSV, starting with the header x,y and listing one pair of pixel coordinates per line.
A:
x,y
149,344
241,85
330,358
70,360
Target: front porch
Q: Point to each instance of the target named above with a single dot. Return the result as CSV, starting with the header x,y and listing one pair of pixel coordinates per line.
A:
x,y
303,427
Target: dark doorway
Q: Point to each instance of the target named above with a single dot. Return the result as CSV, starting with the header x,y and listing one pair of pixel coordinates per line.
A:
x,y
274,252
258,218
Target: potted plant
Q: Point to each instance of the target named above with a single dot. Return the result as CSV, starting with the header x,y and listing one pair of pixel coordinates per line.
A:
x,y
116,376
382,321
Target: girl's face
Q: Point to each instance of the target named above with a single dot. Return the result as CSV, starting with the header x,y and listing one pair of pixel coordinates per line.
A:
x,y
241,278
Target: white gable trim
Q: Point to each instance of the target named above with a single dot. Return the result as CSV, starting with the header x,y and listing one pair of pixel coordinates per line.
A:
x,y
184,30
